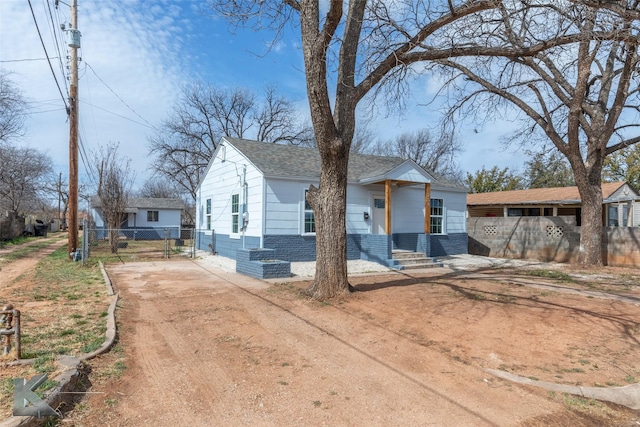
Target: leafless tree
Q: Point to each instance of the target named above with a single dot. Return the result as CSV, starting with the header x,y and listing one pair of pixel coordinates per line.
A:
x,y
186,141
365,47
24,173
435,155
12,108
583,96
114,186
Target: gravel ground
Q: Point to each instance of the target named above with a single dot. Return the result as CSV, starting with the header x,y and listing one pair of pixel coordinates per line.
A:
x,y
454,262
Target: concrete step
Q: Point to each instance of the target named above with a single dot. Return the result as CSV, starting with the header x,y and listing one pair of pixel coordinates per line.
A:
x,y
413,260
407,255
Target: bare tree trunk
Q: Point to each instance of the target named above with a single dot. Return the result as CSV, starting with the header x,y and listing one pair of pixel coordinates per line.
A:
x,y
113,240
590,189
591,230
329,203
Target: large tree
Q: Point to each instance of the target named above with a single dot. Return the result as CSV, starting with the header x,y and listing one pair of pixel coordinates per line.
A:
x,y
183,145
434,154
582,97
547,169
494,179
24,173
360,47
623,165
12,108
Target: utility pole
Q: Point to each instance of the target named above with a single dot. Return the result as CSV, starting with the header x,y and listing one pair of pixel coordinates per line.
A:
x,y
74,44
59,194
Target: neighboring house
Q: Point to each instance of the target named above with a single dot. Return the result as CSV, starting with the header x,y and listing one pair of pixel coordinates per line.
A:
x,y
620,204
253,196
545,224
144,214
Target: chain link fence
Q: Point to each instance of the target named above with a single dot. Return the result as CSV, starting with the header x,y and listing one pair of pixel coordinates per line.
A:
x,y
137,243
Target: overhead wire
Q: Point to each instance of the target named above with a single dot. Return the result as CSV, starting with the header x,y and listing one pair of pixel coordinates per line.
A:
x,y
148,124
25,59
47,55
59,42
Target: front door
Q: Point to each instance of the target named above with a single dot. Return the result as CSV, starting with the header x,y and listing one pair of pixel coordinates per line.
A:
x,y
378,214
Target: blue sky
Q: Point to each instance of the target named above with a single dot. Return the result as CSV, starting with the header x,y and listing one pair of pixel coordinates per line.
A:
x,y
136,55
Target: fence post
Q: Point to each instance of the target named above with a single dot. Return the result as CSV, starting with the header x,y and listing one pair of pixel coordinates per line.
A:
x,y
10,325
85,240
193,243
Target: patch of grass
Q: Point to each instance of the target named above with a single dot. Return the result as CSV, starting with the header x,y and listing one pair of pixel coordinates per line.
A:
x,y
69,319
574,370
110,402
507,299
26,251
317,403
550,274
6,386
578,403
44,364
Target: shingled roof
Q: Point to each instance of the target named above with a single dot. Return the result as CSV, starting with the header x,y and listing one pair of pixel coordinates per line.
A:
x,y
558,195
291,161
146,203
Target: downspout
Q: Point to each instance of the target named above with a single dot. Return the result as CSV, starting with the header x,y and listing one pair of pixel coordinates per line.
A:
x,y
264,211
244,204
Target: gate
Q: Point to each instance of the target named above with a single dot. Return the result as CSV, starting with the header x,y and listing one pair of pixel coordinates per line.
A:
x,y
129,244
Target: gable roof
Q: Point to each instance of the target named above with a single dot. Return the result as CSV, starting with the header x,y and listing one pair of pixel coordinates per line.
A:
x,y
155,203
291,161
146,203
557,195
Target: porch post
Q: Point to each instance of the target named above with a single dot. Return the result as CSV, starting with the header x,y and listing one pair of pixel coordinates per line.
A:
x,y
427,208
387,207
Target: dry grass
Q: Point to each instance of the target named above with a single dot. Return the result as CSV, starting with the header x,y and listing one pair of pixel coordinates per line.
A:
x,y
63,309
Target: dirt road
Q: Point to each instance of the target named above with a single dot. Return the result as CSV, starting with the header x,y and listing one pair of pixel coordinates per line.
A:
x,y
15,268
205,347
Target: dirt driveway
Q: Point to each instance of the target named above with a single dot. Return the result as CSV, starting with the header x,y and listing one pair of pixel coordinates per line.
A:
x,y
205,347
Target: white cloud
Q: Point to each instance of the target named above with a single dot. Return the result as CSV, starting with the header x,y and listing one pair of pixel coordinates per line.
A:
x,y
133,48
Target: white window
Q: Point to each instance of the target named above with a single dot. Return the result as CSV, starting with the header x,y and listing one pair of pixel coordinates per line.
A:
x,y
613,216
152,216
208,214
235,213
309,216
436,207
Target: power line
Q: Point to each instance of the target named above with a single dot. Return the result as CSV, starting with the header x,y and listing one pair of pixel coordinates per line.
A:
x,y
121,100
47,55
55,27
149,125
26,59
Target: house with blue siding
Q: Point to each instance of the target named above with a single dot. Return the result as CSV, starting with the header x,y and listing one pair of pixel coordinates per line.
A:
x,y
144,217
253,196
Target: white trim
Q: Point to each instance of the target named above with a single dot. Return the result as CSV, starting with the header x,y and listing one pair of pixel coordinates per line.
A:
x,y
303,213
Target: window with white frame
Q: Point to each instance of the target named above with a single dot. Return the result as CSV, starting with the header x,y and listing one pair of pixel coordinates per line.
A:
x,y
309,216
235,213
208,214
436,207
613,216
152,216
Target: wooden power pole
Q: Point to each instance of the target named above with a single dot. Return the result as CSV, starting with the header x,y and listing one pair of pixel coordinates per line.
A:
x,y
74,44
